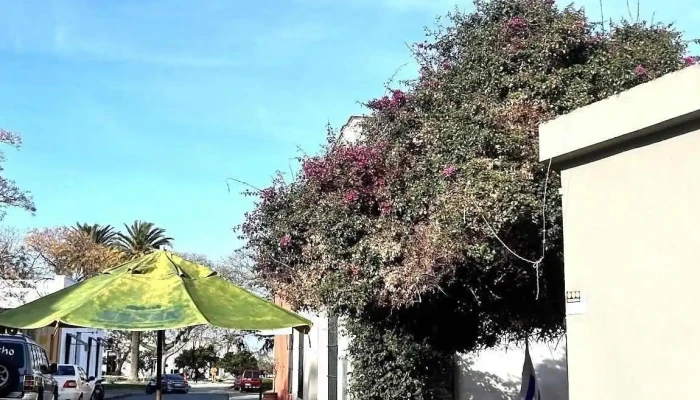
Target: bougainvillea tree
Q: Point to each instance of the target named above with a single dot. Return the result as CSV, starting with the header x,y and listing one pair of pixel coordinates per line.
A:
x,y
434,232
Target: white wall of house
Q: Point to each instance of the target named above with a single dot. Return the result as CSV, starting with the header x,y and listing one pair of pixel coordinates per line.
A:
x,y
315,379
495,374
17,293
86,352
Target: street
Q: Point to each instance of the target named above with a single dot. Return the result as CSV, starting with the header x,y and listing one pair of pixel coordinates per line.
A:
x,y
200,395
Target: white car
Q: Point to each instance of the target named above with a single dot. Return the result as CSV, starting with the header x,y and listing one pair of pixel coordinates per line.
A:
x,y
73,382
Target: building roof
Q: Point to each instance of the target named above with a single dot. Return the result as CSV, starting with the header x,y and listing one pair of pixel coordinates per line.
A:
x,y
668,101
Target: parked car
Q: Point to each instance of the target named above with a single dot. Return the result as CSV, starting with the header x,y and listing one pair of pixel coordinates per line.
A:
x,y
171,383
250,380
74,383
25,372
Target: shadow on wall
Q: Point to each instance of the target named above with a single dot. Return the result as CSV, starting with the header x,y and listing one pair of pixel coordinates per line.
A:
x,y
496,374
480,385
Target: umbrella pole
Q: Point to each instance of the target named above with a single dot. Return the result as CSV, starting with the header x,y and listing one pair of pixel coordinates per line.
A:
x,y
160,335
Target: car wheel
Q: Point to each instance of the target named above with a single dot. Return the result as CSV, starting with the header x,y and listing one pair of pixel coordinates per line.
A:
x,y
9,377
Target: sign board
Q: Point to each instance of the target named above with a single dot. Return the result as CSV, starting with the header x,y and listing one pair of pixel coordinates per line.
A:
x,y
576,302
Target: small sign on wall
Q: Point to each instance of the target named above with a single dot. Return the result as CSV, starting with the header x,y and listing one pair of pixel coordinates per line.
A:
x,y
576,302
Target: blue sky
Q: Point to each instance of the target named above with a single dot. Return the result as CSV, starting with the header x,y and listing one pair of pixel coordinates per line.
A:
x,y
141,109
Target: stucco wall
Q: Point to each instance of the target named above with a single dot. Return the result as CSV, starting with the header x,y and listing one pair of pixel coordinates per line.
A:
x,y
631,236
495,374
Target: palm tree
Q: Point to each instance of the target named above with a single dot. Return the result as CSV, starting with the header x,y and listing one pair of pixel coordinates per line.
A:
x,y
104,235
140,238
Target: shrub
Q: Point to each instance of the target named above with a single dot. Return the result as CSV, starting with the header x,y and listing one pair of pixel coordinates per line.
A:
x,y
401,231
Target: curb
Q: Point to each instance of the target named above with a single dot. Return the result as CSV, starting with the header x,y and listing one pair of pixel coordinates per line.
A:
x,y
119,396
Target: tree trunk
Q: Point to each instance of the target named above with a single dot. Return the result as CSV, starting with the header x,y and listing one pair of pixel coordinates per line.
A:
x,y
135,343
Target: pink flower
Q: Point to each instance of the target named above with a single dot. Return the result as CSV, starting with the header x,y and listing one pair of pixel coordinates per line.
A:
x,y
355,271
351,196
267,194
398,98
691,60
380,104
385,208
516,24
449,171
285,241
640,71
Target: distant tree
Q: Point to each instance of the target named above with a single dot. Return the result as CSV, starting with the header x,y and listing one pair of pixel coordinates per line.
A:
x,y
238,268
10,194
266,363
18,267
236,362
175,340
119,344
140,238
104,235
71,252
16,262
197,359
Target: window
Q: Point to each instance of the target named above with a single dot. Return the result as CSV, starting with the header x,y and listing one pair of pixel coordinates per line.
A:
x,y
300,368
290,362
38,356
65,370
41,353
83,375
333,357
13,352
66,356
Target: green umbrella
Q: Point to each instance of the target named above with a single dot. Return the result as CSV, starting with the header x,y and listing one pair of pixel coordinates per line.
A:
x,y
157,291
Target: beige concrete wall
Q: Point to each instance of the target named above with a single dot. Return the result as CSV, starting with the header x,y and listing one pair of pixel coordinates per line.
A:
x,y
632,235
631,244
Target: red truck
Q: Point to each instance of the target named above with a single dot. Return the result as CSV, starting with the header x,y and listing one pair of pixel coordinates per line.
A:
x,y
249,381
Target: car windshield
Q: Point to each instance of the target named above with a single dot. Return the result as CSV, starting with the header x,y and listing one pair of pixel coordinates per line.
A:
x,y
12,352
251,374
172,377
65,370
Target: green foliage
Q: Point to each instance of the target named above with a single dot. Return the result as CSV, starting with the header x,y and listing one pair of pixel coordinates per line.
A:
x,y
397,231
236,362
104,235
267,384
142,237
197,359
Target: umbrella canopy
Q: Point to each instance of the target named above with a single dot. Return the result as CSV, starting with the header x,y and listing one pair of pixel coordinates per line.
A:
x,y
154,292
